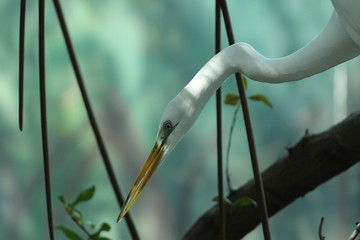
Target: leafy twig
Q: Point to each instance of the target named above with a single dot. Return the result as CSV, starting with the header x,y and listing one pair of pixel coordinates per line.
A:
x,y
92,119
76,216
232,99
228,179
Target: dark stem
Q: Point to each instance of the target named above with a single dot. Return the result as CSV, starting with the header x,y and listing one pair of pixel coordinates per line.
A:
x,y
255,166
227,170
21,61
321,237
44,134
249,132
82,227
92,119
219,130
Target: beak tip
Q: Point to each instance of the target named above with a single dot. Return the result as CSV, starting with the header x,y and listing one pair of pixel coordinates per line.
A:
x,y
118,219
144,176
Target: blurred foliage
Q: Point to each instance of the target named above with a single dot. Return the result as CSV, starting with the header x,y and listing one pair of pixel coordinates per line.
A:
x,y
233,99
135,56
77,216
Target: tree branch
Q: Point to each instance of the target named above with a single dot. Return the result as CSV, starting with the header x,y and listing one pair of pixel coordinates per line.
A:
x,y
312,161
355,232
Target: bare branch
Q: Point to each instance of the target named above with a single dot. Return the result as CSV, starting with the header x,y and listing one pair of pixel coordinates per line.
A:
x,y
355,232
312,161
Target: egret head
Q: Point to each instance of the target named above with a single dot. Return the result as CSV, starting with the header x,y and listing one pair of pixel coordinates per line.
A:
x,y
178,116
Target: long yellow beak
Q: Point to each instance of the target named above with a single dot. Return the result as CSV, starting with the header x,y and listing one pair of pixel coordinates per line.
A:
x,y
143,178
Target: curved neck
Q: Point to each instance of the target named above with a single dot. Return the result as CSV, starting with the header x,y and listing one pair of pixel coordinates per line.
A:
x,y
210,77
331,47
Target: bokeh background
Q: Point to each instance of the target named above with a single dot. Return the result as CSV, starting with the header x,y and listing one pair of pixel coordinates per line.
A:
x,y
136,56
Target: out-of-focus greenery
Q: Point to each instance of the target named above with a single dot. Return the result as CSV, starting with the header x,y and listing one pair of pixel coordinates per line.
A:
x,y
86,227
233,99
135,56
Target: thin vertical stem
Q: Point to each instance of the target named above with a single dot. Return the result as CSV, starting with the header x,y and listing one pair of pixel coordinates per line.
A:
x,y
222,219
43,116
92,119
250,136
219,130
232,126
255,166
21,61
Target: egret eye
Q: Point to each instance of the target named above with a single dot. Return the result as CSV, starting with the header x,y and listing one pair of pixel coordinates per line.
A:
x,y
168,125
166,129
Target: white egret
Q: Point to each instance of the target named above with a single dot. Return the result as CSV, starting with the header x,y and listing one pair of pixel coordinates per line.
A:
x,y
338,42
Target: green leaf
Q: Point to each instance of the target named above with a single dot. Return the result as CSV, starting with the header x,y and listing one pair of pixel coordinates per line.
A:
x,y
102,238
226,200
244,81
261,98
215,199
231,99
84,195
244,201
62,199
69,233
105,227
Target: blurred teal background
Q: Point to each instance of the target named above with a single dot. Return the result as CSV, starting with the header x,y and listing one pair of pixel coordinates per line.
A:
x,y
136,56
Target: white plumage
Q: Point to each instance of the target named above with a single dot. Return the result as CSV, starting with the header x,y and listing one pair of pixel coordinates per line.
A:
x,y
338,42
